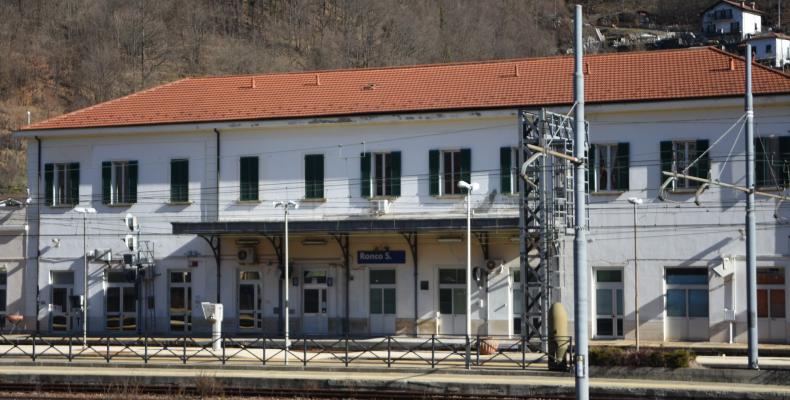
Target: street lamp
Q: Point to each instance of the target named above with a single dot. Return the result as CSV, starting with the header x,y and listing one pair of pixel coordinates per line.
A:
x,y
85,211
470,187
636,201
286,205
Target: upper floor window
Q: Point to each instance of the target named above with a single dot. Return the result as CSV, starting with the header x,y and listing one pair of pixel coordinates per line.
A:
x,y
447,168
508,170
735,27
381,173
62,184
179,180
248,178
609,167
680,156
119,182
768,49
314,176
772,161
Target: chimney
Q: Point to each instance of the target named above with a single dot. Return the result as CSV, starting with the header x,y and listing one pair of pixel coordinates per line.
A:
x,y
252,82
586,68
317,80
754,6
732,64
743,4
516,71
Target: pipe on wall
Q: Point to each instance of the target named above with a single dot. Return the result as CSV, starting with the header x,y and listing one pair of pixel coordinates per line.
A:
x,y
38,233
218,253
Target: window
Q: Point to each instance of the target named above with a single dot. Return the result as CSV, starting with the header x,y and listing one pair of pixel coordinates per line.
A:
x,y
508,170
452,291
446,169
119,182
314,176
180,309
687,292
120,301
609,167
771,167
768,49
179,181
677,156
771,293
248,179
382,291
735,27
62,184
381,173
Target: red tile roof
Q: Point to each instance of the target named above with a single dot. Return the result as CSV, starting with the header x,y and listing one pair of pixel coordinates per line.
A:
x,y
620,77
749,6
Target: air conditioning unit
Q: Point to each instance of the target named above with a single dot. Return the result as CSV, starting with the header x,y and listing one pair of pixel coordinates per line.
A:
x,y
381,207
247,255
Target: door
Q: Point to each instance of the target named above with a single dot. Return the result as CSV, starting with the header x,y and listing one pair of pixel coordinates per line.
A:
x,y
180,309
314,303
61,315
452,301
382,301
120,301
609,303
250,301
772,322
686,304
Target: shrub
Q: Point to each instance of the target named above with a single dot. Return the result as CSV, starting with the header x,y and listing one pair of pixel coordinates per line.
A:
x,y
607,356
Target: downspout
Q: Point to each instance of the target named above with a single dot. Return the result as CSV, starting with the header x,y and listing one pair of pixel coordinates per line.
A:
x,y
218,253
416,288
38,233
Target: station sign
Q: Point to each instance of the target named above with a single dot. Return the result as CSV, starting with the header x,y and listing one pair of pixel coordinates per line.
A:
x,y
381,257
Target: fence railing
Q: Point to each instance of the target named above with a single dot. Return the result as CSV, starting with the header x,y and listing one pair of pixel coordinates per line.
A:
x,y
432,351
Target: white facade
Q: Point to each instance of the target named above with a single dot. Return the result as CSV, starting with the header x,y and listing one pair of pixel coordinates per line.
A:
x,y
673,234
12,265
725,18
771,50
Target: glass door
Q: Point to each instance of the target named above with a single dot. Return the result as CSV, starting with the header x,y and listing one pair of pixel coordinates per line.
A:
x,y
180,309
609,303
452,301
120,301
314,303
250,300
382,301
61,316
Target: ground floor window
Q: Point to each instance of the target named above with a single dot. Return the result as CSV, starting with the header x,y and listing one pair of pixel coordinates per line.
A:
x,y
687,292
382,291
180,309
120,301
771,293
452,291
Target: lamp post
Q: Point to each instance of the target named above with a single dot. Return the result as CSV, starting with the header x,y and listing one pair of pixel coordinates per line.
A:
x,y
85,211
636,201
286,205
470,187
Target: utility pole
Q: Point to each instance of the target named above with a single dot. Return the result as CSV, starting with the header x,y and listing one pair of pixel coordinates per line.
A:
x,y
751,248
635,201
286,278
580,307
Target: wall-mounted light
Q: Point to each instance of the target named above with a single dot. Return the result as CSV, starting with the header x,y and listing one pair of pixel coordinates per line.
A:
x,y
449,239
313,242
247,242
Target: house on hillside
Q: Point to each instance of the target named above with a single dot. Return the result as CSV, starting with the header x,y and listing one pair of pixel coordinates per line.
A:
x,y
772,49
738,19
374,158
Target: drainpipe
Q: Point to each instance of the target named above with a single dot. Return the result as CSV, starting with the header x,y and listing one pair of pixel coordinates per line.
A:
x,y
38,232
218,253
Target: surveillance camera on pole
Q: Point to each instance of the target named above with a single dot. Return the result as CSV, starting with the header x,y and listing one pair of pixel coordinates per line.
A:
x,y
131,222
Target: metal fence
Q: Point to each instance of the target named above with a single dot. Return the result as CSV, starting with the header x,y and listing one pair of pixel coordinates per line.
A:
x,y
385,351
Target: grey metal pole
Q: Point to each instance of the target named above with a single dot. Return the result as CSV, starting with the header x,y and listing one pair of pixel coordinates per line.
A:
x,y
85,280
751,249
468,275
580,289
636,285
285,289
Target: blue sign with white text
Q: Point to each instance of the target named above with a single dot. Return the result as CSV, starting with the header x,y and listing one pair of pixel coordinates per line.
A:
x,y
381,257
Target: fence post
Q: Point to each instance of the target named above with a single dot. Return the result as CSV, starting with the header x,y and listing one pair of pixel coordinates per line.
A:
x,y
468,358
145,348
70,356
184,349
108,349
523,352
222,341
433,350
477,351
263,350
304,352
389,351
33,356
345,360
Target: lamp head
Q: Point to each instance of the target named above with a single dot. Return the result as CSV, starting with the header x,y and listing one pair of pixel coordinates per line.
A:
x,y
635,200
468,186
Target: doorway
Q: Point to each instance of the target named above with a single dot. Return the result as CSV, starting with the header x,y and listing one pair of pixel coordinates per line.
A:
x,y
382,301
452,301
609,303
250,300
315,305
120,301
61,314
687,304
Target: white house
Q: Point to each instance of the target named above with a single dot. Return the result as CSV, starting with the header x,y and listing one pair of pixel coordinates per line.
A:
x,y
373,157
727,17
772,49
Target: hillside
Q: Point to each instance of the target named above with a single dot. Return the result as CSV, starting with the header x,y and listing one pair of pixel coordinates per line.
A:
x,y
63,55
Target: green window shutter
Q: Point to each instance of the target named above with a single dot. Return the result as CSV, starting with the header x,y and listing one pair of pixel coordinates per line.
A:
x,y
666,160
433,172
784,160
314,176
49,181
394,173
179,180
761,176
364,181
74,183
702,168
504,170
591,167
248,177
466,165
132,181
106,182
621,167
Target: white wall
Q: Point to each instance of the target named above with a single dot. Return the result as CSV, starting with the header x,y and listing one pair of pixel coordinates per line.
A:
x,y
779,55
750,23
